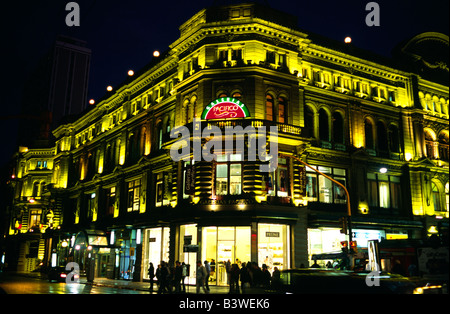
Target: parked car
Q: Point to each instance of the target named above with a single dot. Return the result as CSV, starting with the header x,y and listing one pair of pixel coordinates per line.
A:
x,y
324,281
60,274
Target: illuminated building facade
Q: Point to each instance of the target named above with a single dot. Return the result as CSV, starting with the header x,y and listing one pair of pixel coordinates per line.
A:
x,y
375,125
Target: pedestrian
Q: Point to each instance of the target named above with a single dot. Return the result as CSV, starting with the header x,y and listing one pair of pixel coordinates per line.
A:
x,y
151,275
245,278
200,276
276,278
213,269
228,270
266,276
208,273
234,278
184,272
177,277
315,265
158,275
164,277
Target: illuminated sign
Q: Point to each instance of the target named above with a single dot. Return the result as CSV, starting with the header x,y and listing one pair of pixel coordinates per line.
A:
x,y
225,108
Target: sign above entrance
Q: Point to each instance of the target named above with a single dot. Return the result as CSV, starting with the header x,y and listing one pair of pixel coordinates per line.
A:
x,y
225,108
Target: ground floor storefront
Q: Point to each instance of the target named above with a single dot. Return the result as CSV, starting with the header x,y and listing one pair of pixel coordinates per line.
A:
x,y
266,244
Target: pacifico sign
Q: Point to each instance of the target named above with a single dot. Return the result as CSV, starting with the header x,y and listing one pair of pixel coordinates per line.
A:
x,y
225,108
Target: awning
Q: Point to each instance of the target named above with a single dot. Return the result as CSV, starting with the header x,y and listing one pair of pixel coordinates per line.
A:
x,y
94,238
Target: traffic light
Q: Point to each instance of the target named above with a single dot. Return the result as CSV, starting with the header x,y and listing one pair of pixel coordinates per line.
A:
x,y
343,224
353,247
344,246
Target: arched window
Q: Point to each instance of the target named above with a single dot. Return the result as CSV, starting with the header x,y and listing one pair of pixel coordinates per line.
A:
x,y
394,143
324,127
429,144
443,146
35,191
447,198
436,197
309,122
269,107
338,128
282,110
368,133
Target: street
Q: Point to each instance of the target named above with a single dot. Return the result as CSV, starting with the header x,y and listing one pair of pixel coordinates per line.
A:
x,y
13,284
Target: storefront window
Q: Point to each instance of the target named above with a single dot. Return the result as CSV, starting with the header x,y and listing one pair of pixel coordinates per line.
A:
x,y
273,246
156,247
223,244
189,258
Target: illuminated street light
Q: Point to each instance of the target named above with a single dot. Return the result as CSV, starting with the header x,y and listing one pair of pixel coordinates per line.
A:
x,y
109,88
348,40
92,101
383,170
156,53
130,73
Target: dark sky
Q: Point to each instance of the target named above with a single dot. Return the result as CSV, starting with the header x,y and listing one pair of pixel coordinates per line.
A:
x,y
123,34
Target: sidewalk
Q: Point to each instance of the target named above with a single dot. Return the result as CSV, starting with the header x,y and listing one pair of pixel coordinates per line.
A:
x,y
126,284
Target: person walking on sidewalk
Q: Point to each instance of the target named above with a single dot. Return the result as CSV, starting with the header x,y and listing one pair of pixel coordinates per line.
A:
x,y
208,273
151,275
184,273
201,276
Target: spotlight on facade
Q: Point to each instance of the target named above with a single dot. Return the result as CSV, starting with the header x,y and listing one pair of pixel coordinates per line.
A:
x,y
383,170
348,40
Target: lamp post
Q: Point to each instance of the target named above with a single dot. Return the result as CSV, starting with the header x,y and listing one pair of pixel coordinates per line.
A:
x,y
349,210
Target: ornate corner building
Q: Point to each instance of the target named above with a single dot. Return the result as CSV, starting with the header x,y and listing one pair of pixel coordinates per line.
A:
x,y
109,190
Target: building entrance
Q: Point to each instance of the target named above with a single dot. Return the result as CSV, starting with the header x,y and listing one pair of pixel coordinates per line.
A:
x,y
222,245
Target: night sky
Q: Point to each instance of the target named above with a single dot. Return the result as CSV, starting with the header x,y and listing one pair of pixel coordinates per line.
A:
x,y
123,35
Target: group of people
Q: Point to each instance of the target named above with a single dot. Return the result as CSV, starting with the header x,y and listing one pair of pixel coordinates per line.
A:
x,y
250,275
168,279
240,277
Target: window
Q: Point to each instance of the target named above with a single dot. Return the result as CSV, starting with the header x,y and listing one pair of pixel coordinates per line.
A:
x,y
229,174
269,108
162,189
394,143
436,197
443,146
35,218
110,200
282,110
91,210
277,182
429,144
321,189
447,198
338,128
383,191
134,192
309,122
368,132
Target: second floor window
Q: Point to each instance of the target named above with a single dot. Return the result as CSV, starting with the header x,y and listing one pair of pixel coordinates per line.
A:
x,y
228,174
383,190
321,189
134,192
